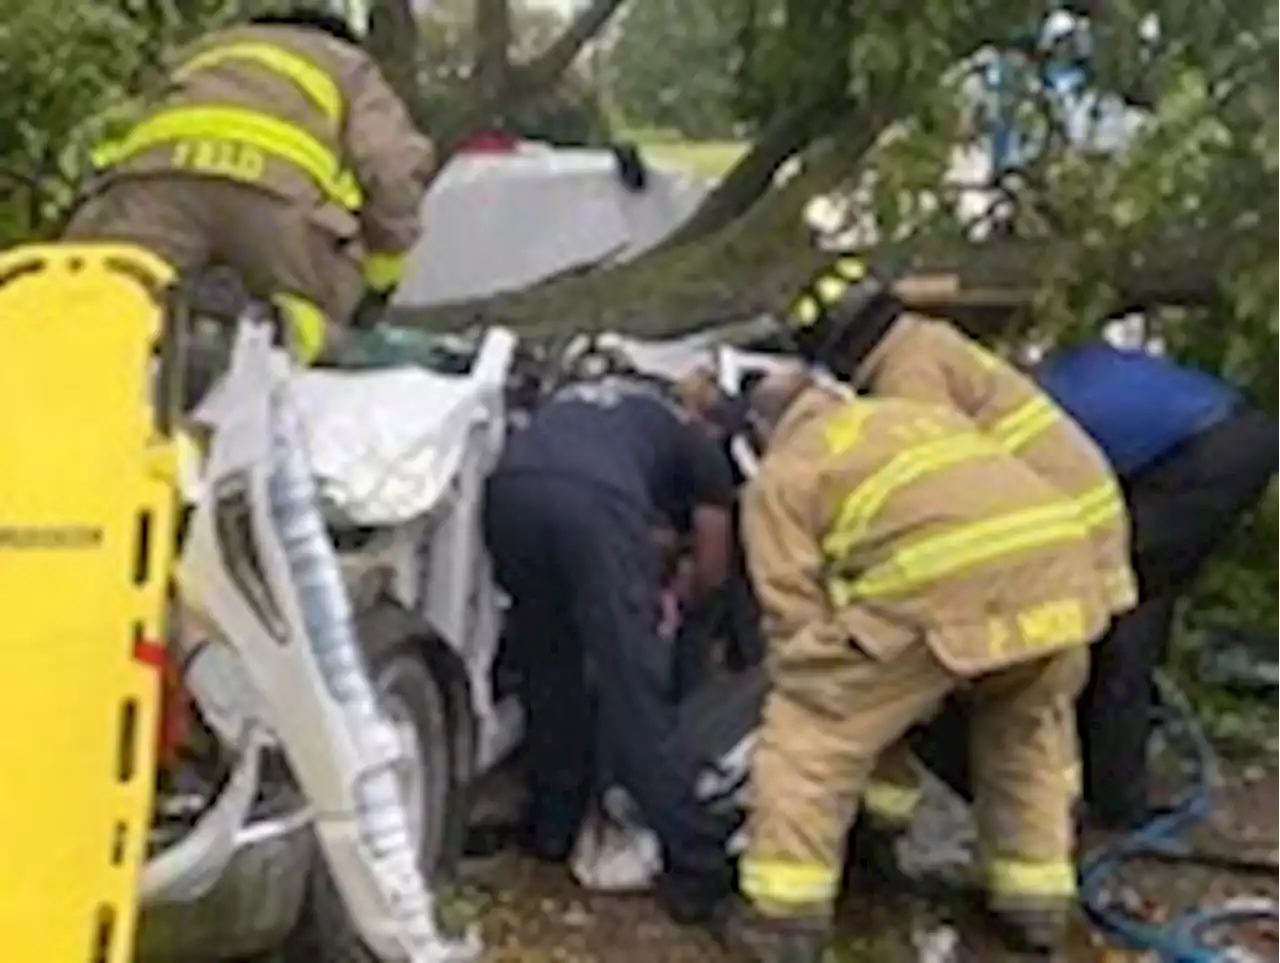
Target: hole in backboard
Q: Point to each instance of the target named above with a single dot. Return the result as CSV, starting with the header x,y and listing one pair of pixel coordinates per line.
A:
x,y
142,550
104,931
126,748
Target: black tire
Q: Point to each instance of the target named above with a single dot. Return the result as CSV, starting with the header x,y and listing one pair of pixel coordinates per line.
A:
x,y
404,662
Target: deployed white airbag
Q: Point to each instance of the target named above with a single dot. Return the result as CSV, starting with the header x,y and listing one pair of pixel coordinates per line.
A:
x,y
384,446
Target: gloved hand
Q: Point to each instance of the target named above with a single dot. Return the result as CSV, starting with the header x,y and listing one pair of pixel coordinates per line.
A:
x,y
371,309
731,414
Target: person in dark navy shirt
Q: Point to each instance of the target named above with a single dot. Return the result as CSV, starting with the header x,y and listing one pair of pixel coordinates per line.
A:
x,y
572,511
623,436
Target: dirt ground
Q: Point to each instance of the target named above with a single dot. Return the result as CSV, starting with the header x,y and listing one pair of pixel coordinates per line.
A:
x,y
536,914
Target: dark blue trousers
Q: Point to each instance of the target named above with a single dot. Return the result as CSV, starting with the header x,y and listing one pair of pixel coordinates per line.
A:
x,y
582,568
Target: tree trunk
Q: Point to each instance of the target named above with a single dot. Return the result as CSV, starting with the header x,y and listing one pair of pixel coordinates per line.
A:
x,y
788,133
493,51
528,80
393,42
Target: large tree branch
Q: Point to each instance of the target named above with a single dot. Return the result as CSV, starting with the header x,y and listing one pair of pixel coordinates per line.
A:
x,y
819,35
987,286
528,80
755,263
547,67
998,283
739,270
790,131
797,125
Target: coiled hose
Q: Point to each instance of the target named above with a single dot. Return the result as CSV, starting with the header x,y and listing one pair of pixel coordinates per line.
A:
x,y
1178,940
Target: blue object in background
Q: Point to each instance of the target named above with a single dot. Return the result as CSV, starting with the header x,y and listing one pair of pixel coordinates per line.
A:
x,y
1092,119
1004,133
1136,406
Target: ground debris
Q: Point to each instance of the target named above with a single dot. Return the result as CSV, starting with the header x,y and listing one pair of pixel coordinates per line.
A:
x,y
536,914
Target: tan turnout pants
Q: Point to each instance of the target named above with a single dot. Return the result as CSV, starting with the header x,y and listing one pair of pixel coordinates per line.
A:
x,y
833,710
274,246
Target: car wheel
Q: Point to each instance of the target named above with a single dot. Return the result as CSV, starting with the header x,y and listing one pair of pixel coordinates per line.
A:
x,y
415,702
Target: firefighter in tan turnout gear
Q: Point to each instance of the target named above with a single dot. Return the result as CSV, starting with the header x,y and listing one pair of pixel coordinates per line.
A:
x,y
850,322
278,150
900,555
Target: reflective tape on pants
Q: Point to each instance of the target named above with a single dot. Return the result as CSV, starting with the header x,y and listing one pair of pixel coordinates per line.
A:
x,y
778,882
1031,880
887,802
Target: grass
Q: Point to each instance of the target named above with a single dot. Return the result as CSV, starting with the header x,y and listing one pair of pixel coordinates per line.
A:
x,y
1241,725
710,158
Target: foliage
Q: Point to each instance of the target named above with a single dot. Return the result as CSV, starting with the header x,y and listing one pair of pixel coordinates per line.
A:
x,y
715,69
72,66
77,45
1241,586
570,116
1095,168
1197,153
69,68
449,37
795,52
670,64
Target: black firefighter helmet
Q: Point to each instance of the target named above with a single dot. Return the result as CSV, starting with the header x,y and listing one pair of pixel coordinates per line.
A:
x,y
313,16
841,315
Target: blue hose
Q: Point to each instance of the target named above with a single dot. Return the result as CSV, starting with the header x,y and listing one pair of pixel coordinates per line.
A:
x,y
1179,940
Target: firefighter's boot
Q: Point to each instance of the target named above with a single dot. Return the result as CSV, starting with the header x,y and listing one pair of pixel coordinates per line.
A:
x,y
1040,932
763,938
871,855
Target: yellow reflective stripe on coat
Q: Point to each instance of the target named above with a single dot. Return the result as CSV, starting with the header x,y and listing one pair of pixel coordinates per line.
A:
x,y
1100,505
1021,426
236,124
986,359
1121,587
844,428
890,803
381,271
860,506
318,86
306,326
1020,878
969,546
788,882
1044,625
